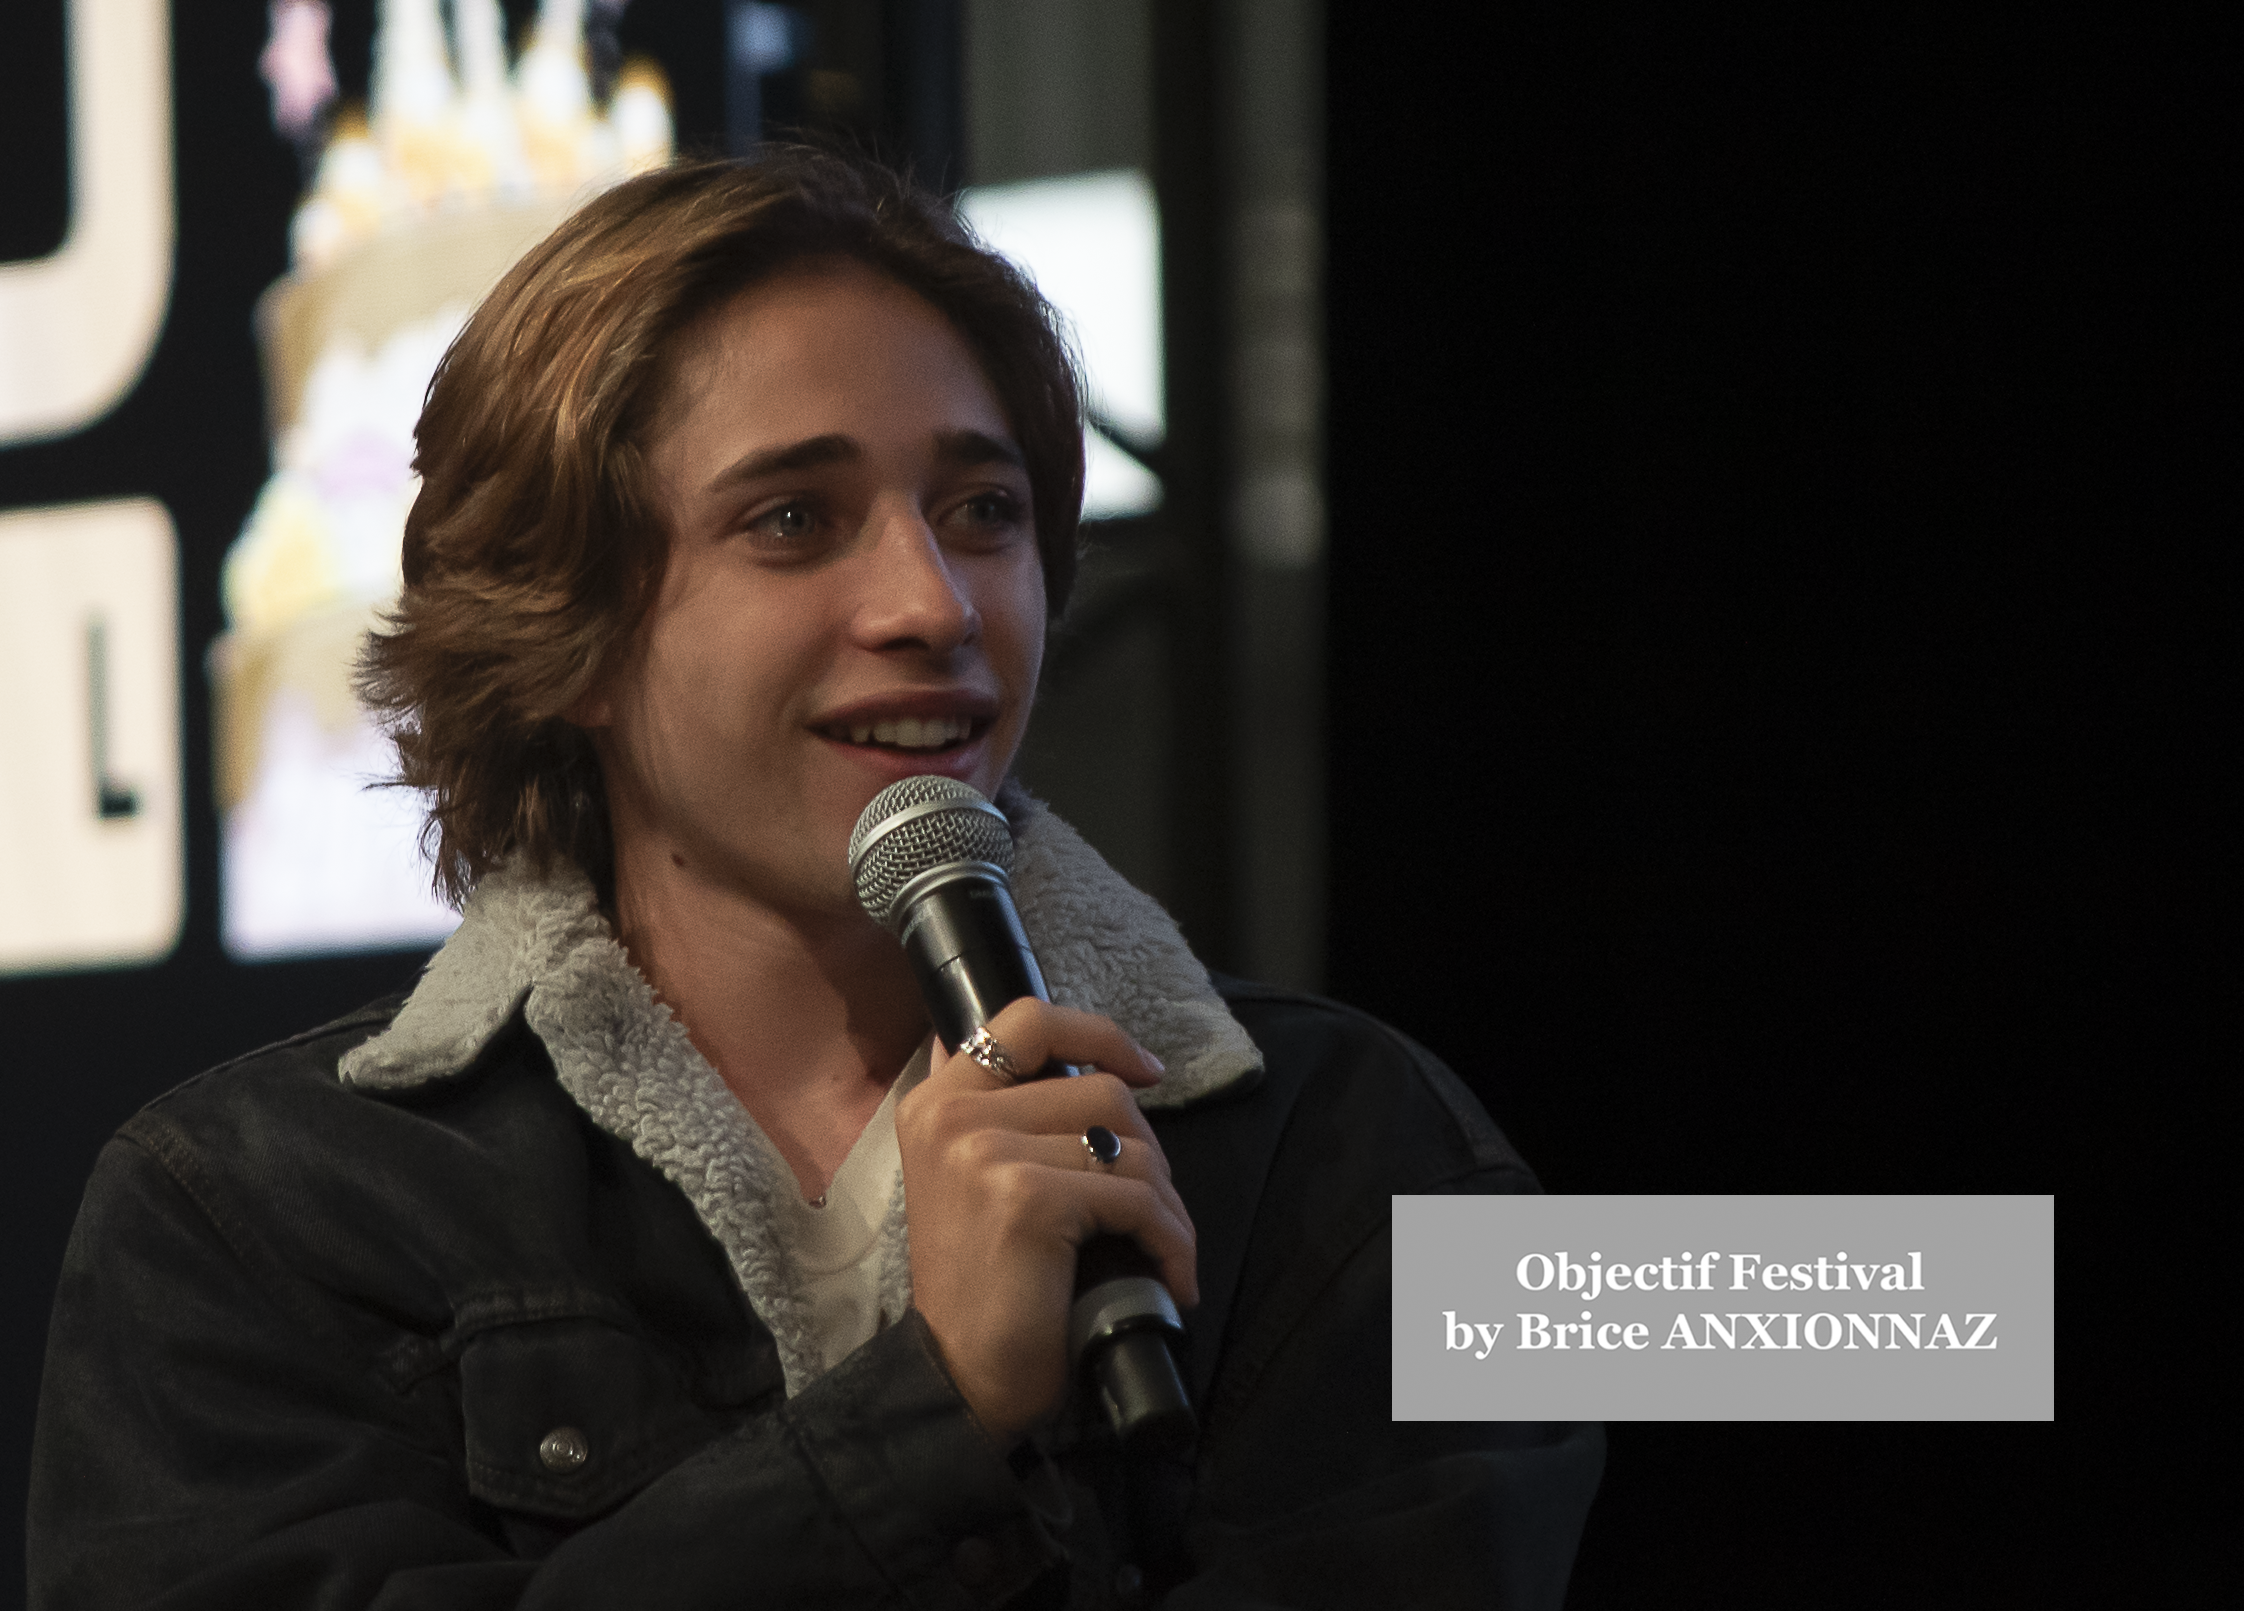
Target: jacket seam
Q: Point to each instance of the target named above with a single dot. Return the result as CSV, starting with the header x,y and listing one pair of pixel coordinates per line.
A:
x,y
416,1356
379,1011
798,1444
169,1153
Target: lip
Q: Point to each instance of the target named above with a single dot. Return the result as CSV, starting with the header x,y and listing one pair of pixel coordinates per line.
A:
x,y
972,703
963,761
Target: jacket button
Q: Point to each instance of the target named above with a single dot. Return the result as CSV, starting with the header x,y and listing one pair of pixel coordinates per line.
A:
x,y
563,1450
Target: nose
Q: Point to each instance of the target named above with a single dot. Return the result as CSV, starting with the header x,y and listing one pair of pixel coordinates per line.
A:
x,y
912,598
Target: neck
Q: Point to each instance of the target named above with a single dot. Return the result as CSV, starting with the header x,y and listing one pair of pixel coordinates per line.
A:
x,y
807,1017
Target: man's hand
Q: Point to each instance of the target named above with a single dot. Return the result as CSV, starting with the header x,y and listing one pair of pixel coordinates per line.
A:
x,y
999,1192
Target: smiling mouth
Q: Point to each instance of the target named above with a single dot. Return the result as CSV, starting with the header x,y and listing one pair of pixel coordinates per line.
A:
x,y
920,733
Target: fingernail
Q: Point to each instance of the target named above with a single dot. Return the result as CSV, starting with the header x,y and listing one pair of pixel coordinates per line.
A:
x,y
1152,1062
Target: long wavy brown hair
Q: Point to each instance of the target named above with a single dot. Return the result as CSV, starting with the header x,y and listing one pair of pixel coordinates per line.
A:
x,y
537,541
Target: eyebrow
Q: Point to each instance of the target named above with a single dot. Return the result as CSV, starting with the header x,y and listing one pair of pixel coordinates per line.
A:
x,y
807,454
958,449
961,448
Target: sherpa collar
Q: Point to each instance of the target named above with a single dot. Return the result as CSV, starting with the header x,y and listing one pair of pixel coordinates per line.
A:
x,y
541,945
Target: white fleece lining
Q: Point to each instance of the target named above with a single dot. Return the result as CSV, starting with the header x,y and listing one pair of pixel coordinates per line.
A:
x,y
623,1056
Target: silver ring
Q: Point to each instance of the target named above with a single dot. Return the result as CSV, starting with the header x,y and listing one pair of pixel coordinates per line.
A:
x,y
1104,1146
987,1050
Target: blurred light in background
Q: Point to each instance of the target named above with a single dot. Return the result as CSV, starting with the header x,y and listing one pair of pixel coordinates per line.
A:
x,y
415,210
90,871
414,202
760,40
413,214
1092,244
77,326
91,868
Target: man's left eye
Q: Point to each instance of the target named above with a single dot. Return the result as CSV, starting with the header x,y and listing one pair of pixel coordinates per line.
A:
x,y
992,509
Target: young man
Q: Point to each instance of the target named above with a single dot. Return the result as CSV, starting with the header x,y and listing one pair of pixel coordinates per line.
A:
x,y
651,1251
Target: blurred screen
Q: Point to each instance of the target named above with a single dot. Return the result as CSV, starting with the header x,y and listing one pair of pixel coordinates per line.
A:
x,y
462,161
91,868
1092,244
465,154
90,792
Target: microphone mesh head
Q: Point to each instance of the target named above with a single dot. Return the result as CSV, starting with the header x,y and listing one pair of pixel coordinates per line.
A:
x,y
885,855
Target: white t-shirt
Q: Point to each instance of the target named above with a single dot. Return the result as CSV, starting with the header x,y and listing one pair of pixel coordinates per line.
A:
x,y
836,1247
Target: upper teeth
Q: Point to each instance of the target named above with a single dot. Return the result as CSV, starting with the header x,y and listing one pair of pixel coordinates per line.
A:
x,y
912,732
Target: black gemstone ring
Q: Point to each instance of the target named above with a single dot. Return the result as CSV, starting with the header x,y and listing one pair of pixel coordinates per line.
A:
x,y
1102,1144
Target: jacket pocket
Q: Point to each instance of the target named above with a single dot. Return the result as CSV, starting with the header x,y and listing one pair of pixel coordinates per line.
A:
x,y
568,1418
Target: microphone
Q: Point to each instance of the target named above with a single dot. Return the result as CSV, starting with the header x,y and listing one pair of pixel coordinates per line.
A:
x,y
932,860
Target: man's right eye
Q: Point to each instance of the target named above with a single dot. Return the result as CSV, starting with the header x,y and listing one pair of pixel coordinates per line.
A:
x,y
788,523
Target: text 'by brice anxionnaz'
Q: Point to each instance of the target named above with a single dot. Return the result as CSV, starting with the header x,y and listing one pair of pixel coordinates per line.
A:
x,y
1864,1324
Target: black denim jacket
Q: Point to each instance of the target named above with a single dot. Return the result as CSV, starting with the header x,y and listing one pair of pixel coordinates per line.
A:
x,y
310,1343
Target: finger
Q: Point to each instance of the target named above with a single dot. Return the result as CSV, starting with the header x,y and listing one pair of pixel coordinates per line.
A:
x,y
980,1146
1056,1034
1134,1158
1151,1216
1066,1108
1070,1206
1033,1033
959,1113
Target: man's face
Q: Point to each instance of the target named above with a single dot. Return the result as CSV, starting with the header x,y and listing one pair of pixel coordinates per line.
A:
x,y
853,591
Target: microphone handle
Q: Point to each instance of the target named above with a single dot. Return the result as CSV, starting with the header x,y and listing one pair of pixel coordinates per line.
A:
x,y
971,957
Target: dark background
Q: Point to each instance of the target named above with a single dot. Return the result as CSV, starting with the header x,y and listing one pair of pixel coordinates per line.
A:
x,y
1762,450
1747,440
